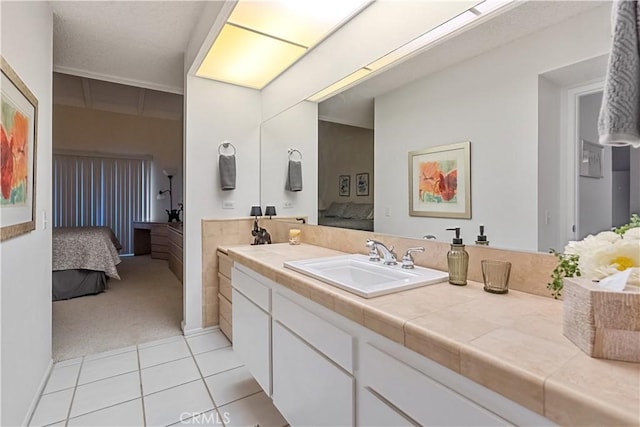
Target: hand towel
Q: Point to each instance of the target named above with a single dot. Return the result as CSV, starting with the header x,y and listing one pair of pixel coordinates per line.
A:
x,y
294,176
227,166
619,121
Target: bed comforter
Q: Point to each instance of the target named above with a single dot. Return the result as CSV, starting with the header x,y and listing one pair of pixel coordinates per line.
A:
x,y
86,248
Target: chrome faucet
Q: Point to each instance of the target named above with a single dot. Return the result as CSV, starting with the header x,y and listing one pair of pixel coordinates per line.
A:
x,y
407,259
376,247
428,236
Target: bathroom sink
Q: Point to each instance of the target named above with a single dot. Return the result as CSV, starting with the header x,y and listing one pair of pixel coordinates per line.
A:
x,y
356,274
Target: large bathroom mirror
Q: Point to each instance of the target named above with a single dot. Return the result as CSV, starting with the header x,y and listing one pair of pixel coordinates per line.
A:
x,y
514,86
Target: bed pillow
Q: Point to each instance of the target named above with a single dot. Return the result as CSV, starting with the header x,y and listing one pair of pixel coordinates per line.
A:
x,y
358,210
336,210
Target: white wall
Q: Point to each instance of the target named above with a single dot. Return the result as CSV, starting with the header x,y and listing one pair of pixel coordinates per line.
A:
x,y
296,128
549,140
491,100
84,129
595,199
25,292
215,112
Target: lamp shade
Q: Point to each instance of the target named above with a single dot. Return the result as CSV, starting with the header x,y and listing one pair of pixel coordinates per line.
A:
x,y
270,211
256,211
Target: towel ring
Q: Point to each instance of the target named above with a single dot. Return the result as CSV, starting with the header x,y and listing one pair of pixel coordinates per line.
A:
x,y
226,145
292,151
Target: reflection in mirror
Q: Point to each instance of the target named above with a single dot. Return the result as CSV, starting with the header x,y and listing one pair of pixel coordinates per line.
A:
x,y
506,85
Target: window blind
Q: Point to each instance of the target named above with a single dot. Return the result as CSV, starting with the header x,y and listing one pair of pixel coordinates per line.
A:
x,y
101,191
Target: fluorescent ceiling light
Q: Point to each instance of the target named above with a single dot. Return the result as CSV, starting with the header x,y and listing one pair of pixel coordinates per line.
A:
x,y
344,83
414,46
261,39
246,58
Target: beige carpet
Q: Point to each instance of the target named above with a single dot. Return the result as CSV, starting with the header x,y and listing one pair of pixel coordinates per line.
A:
x,y
145,305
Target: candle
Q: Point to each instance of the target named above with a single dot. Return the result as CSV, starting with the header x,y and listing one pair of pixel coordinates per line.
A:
x,y
294,236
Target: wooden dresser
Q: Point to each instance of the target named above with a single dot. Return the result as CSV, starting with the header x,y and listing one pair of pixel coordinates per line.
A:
x,y
224,294
175,249
151,237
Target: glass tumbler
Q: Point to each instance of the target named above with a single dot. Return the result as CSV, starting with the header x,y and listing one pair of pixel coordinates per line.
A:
x,y
496,276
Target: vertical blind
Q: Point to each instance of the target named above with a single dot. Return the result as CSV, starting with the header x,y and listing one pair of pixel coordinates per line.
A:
x,y
101,191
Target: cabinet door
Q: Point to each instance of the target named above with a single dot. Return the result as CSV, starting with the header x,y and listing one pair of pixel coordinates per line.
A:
x,y
374,412
252,338
308,389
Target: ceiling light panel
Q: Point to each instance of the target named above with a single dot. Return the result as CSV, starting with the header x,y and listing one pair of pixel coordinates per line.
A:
x,y
261,39
247,58
304,22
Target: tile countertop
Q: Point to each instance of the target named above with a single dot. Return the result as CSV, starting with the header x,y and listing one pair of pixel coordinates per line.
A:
x,y
511,343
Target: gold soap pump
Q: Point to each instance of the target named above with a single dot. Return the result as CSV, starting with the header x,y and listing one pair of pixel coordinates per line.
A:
x,y
457,260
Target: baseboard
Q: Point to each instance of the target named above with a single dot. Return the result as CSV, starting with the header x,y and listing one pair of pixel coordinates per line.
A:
x,y
39,390
197,331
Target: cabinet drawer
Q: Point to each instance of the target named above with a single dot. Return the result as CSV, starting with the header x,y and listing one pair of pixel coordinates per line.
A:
x,y
308,389
328,339
252,289
225,308
225,287
375,412
418,396
226,329
159,229
224,264
252,339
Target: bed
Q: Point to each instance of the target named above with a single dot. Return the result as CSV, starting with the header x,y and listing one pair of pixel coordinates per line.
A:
x,y
357,216
83,260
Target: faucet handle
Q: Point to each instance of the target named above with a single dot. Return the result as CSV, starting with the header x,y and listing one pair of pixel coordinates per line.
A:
x,y
373,251
407,259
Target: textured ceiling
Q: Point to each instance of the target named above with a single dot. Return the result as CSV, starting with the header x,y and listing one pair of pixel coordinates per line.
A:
x,y
83,92
141,43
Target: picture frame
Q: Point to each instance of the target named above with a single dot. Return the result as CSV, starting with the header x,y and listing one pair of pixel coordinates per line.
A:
x,y
591,155
362,184
344,185
440,181
18,154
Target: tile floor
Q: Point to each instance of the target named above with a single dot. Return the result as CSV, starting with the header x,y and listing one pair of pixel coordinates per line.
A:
x,y
195,380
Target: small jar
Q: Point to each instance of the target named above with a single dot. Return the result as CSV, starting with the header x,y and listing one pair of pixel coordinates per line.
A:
x,y
294,236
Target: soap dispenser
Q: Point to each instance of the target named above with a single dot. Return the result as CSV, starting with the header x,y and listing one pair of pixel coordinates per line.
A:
x,y
482,239
457,260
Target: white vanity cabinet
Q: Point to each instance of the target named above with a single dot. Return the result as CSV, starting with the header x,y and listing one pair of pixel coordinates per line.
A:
x,y
374,411
252,326
417,396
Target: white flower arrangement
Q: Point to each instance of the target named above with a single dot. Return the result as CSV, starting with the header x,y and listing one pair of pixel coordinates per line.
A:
x,y
600,256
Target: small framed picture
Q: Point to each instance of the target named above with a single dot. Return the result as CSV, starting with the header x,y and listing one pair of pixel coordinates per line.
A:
x,y
362,184
344,185
591,159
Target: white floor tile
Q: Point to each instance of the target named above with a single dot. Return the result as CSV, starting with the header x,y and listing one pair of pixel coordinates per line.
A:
x,y
110,366
167,352
69,362
110,353
62,377
216,361
208,419
161,341
52,408
254,410
176,404
123,414
171,374
103,393
207,342
231,385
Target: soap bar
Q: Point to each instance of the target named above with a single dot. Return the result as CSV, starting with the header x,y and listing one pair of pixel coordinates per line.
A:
x,y
294,236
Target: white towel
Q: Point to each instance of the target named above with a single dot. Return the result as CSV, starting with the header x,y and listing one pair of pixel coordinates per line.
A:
x,y
294,176
227,165
619,121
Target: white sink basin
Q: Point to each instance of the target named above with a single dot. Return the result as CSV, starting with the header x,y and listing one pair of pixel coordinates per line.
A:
x,y
358,275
